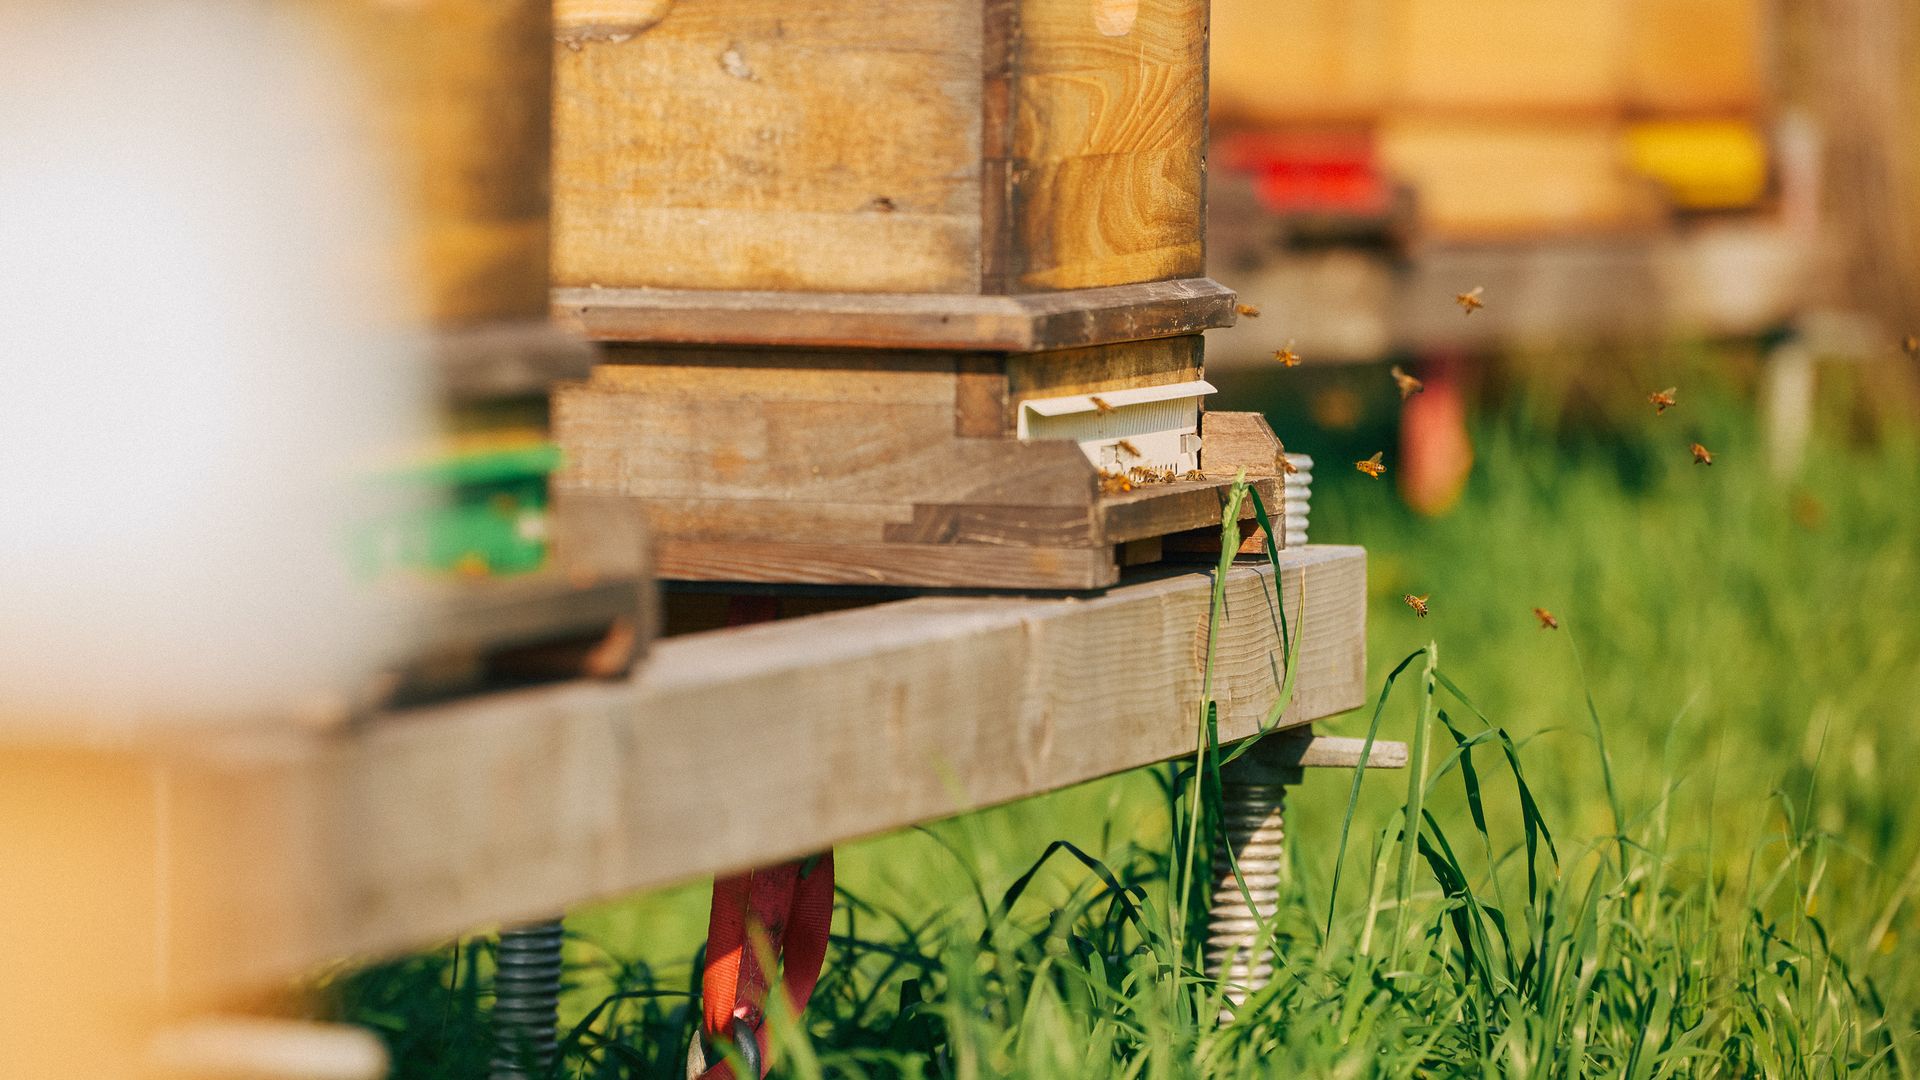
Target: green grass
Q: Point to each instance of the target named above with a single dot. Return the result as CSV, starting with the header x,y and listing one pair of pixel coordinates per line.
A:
x,y
1719,878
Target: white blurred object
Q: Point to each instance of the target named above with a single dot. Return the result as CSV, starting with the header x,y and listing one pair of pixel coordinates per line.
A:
x,y
251,1049
202,338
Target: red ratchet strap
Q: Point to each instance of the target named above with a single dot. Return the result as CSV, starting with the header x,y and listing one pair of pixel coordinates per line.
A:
x,y
775,915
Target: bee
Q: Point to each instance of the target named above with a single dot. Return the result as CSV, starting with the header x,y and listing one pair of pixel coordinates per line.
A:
x,y
1112,483
1408,385
1662,400
883,204
1701,456
1128,448
1194,474
1286,356
1912,347
1547,621
1417,603
1100,406
1247,310
1470,299
1373,466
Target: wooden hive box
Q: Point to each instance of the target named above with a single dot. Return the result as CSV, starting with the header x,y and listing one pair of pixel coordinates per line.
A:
x,y
754,150
900,293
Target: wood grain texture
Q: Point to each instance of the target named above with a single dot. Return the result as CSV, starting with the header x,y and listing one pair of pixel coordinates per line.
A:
x,y
719,149
1021,322
843,467
1109,144
503,808
1063,372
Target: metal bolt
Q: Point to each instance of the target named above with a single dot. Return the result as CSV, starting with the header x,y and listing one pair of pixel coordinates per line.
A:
x,y
1253,824
526,1001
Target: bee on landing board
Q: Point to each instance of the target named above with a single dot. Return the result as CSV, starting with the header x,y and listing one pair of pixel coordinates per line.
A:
x,y
1247,310
1662,400
1417,603
1408,385
1547,621
1701,455
1286,356
1100,406
1373,466
1114,483
1470,300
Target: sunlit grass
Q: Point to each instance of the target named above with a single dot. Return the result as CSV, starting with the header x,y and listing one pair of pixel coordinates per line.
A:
x,y
1737,901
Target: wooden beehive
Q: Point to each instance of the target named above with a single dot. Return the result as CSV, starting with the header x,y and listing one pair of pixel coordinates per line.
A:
x,y
936,148
874,270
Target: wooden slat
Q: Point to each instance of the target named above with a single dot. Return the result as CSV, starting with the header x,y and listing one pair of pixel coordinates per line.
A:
x,y
1159,509
1016,323
848,724
719,148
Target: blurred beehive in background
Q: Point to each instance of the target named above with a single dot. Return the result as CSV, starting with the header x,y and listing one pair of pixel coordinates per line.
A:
x,y
1514,117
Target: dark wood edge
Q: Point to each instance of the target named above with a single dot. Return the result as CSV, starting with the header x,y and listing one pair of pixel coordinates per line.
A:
x,y
1021,322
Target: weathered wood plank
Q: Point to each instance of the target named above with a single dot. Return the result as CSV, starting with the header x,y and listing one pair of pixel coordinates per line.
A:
x,y
1014,323
716,149
516,805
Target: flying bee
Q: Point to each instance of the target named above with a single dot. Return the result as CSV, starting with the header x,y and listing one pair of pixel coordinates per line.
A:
x,y
1247,310
1417,603
1662,400
1408,385
1547,621
1373,466
1100,406
1287,467
1912,346
1286,356
1701,456
1128,449
1470,300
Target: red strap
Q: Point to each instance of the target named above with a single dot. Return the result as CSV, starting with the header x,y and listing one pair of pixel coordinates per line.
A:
x,y
759,918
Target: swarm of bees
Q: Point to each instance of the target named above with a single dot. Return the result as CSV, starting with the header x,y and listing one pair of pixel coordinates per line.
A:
x,y
1470,301
1547,621
1701,455
1247,310
1417,603
1373,466
1286,356
1408,385
1662,400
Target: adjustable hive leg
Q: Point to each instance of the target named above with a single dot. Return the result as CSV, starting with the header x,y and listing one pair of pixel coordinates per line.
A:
x,y
526,1001
1247,891
1239,940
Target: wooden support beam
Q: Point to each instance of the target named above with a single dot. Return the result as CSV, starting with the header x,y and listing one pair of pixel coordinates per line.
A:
x,y
821,730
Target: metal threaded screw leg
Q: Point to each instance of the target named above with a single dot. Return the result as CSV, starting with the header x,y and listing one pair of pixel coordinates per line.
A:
x,y
526,1001
1253,821
1298,498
